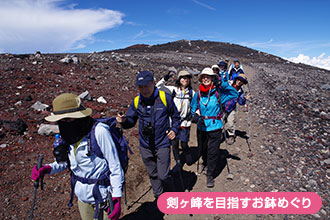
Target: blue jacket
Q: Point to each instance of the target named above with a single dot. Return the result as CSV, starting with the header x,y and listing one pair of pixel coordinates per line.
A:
x,y
230,105
212,108
233,72
160,122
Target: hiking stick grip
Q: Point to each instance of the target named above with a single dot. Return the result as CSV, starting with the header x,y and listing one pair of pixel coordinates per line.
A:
x,y
40,159
39,165
111,205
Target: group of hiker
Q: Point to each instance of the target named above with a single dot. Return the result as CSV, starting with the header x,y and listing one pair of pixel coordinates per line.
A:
x,y
165,113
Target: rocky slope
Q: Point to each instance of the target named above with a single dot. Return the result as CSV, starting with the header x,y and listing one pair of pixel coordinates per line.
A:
x,y
289,113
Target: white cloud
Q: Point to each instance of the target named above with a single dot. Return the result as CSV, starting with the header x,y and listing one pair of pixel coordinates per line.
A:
x,y
321,61
49,26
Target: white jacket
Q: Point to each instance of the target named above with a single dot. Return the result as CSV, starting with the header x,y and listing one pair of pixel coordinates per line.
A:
x,y
93,166
181,100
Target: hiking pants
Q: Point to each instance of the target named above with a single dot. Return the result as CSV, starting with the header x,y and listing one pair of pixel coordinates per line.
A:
x,y
87,210
185,157
230,125
157,163
184,134
209,144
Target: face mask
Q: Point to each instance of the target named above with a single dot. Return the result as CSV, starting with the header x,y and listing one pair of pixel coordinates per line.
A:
x,y
75,130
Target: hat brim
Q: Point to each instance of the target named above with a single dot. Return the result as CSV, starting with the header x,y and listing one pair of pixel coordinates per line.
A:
x,y
143,83
78,114
242,79
201,74
187,74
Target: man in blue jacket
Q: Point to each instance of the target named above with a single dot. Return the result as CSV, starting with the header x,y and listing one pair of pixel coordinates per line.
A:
x,y
153,108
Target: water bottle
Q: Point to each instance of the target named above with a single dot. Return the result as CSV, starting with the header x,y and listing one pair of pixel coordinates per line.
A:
x,y
60,150
57,141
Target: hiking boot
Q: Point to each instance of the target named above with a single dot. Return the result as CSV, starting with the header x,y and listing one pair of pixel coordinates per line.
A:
x,y
231,140
210,182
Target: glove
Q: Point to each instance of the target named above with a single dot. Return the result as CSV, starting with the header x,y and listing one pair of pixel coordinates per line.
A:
x,y
168,75
195,118
116,209
36,174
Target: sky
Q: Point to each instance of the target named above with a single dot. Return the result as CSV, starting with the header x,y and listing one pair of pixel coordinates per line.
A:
x,y
296,30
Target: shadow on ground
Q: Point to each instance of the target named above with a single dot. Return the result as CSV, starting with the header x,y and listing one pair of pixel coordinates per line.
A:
x,y
147,210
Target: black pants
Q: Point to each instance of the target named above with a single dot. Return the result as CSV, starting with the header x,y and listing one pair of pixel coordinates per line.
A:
x,y
209,144
185,157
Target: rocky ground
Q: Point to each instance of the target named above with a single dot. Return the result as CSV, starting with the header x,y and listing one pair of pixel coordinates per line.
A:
x,y
289,120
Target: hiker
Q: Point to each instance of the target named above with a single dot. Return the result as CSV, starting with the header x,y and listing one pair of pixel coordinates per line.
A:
x,y
230,106
216,69
92,177
182,94
234,70
153,108
207,113
223,71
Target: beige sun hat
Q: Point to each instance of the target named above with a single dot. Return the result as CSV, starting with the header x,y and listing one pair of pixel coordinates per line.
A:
x,y
68,105
206,71
215,66
184,73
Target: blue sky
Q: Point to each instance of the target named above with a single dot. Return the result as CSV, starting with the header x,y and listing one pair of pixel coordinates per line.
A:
x,y
284,28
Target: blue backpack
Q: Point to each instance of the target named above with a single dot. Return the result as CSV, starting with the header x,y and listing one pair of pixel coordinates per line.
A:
x,y
93,148
117,137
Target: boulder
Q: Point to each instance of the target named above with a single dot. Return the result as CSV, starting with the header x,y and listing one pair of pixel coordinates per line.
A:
x,y
38,106
48,129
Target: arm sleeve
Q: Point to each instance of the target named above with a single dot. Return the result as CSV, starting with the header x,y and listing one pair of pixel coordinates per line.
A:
x,y
108,148
131,117
241,99
193,104
174,114
161,85
56,167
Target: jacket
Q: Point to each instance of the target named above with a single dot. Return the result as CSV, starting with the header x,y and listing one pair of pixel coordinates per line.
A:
x,y
181,100
233,72
230,105
212,106
93,167
152,111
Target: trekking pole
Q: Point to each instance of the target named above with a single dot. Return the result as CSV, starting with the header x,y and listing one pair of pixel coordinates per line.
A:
x,y
225,136
36,185
249,127
111,206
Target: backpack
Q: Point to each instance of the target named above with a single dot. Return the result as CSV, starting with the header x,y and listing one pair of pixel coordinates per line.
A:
x,y
93,148
117,137
162,97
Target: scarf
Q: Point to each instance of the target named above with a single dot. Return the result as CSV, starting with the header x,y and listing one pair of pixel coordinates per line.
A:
x,y
204,88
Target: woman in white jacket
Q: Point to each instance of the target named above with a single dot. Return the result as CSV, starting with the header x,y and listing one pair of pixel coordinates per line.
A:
x,y
182,94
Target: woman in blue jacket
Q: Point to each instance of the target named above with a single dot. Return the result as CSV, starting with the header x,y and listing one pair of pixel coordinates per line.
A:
x,y
207,112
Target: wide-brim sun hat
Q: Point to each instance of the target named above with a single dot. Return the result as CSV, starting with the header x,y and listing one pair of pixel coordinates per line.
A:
x,y
206,71
215,66
242,77
183,73
68,105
